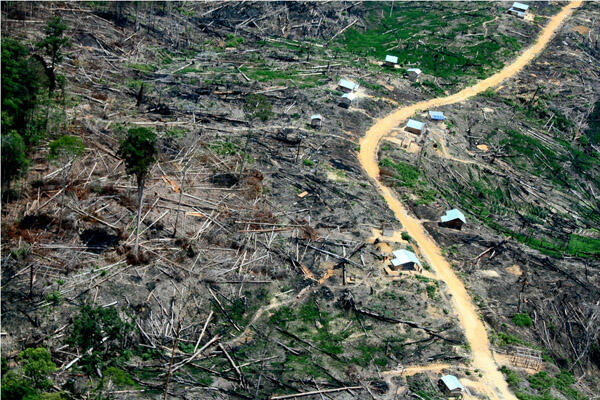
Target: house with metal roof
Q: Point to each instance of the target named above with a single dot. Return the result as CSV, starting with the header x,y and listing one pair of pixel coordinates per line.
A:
x,y
316,120
414,74
453,219
390,61
436,115
347,86
346,100
518,9
450,385
405,260
414,126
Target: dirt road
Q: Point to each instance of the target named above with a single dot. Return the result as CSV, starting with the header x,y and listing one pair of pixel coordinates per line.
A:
x,y
475,331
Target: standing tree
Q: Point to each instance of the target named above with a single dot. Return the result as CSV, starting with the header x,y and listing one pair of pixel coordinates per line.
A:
x,y
65,150
139,152
21,78
14,160
53,45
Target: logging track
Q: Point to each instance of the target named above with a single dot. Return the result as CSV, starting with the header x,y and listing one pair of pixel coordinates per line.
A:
x,y
475,332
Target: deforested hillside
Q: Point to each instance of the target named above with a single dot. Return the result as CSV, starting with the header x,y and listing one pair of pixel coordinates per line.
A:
x,y
253,200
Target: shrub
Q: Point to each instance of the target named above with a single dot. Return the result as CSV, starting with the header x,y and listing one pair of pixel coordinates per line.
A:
x,y
258,106
308,163
542,382
512,378
119,377
522,320
90,327
54,297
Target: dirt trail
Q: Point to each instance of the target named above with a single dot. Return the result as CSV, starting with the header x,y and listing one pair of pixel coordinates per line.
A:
x,y
473,327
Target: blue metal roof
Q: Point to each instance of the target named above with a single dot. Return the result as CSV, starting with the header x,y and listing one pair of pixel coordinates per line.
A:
x,y
392,59
520,6
316,116
415,124
437,115
404,256
345,83
451,382
452,215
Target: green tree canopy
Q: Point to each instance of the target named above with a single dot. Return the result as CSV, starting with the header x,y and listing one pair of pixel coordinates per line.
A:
x,y
53,45
54,41
14,160
37,365
66,148
21,81
139,152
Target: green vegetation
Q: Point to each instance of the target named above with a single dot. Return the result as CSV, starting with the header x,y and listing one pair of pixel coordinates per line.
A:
x,y
53,45
522,320
367,354
308,162
138,150
414,35
234,41
22,79
144,67
226,148
66,148
54,298
405,174
118,377
506,339
583,246
512,378
14,159
421,385
24,74
431,289
37,365
258,106
95,325
30,378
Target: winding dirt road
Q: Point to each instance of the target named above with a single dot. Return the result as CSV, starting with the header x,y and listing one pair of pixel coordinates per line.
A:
x,y
473,327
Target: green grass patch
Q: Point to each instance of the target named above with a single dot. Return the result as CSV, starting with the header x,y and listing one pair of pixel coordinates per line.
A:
x,y
405,174
143,67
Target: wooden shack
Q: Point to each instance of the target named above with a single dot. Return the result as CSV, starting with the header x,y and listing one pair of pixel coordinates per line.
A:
x,y
451,386
405,260
346,100
518,9
390,61
316,120
416,127
347,86
453,219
